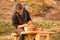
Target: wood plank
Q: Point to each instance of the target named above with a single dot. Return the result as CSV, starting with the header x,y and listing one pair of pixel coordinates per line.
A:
x,y
32,32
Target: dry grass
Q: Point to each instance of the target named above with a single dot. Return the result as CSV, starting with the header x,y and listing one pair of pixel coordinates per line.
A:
x,y
6,38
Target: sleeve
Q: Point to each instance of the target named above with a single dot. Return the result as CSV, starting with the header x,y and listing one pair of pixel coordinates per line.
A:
x,y
14,21
28,16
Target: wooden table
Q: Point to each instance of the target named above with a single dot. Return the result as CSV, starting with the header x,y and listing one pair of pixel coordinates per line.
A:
x,y
33,34
15,36
37,34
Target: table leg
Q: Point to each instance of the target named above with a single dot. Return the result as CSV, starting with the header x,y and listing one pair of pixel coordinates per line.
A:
x,y
37,37
47,37
16,37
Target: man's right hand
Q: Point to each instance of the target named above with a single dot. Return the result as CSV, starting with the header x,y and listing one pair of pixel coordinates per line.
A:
x,y
21,26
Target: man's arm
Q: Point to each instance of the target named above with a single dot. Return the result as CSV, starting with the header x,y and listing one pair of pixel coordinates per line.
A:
x,y
29,19
21,26
15,22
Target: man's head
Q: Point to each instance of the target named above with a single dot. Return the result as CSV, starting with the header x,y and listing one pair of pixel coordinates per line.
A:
x,y
19,8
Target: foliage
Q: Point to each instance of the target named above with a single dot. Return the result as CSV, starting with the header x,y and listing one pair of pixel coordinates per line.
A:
x,y
55,36
46,25
6,28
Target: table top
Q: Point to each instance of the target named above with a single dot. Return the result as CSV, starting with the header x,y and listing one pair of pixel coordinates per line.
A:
x,y
35,32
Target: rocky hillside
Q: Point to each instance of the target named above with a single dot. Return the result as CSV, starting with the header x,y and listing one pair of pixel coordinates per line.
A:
x,y
55,14
6,9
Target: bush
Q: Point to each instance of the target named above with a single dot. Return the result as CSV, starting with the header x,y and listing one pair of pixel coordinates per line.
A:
x,y
46,25
6,28
55,36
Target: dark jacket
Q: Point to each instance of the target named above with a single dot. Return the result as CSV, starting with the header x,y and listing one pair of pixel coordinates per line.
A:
x,y
20,19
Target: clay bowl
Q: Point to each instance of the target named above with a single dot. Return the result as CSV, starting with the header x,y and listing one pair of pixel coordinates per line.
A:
x,y
30,28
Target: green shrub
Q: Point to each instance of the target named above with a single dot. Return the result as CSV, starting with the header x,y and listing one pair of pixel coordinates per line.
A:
x,y
6,28
46,25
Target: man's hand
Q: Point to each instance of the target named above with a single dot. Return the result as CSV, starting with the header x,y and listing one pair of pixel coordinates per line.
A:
x,y
30,23
25,25
21,26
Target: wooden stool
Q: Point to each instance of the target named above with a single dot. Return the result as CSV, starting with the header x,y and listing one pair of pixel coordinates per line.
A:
x,y
15,36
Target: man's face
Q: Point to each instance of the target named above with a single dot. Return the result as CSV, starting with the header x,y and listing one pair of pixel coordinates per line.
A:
x,y
19,11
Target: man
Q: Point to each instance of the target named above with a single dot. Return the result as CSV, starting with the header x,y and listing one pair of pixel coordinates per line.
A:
x,y
20,19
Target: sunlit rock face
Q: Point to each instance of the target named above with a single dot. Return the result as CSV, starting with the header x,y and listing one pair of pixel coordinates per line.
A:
x,y
6,10
50,2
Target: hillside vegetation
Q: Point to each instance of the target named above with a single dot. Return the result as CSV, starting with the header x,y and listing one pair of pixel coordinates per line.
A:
x,y
45,16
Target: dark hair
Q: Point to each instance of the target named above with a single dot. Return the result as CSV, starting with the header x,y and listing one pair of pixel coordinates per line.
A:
x,y
19,6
